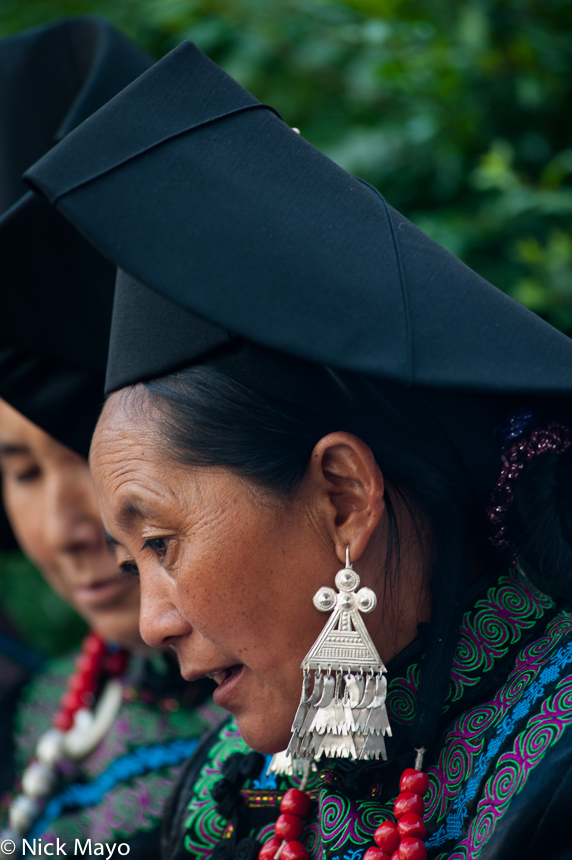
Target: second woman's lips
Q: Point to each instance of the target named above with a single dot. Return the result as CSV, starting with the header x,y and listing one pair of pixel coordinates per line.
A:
x,y
102,593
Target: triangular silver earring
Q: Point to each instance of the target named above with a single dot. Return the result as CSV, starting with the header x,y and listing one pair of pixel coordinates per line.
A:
x,y
344,715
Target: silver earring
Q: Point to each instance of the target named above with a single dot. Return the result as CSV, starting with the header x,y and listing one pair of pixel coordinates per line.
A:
x,y
344,716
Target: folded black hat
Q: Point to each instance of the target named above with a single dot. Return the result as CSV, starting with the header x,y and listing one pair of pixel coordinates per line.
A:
x,y
57,291
196,189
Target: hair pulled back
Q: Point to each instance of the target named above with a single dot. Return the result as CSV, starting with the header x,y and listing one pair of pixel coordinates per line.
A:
x,y
209,419
539,521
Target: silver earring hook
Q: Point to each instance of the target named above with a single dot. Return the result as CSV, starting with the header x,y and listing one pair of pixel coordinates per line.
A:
x,y
348,562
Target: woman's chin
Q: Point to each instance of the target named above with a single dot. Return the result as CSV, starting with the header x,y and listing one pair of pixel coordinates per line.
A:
x,y
261,735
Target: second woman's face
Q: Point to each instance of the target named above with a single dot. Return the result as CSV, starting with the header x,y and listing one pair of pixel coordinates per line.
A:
x,y
227,577
49,499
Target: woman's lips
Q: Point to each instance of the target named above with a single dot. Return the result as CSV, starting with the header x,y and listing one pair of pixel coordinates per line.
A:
x,y
227,680
100,594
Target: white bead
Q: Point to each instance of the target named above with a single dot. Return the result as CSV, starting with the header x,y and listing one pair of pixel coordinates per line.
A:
x,y
22,813
38,779
50,747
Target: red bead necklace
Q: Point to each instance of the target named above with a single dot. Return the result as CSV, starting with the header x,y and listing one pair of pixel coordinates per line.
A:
x,y
95,659
395,840
285,844
403,840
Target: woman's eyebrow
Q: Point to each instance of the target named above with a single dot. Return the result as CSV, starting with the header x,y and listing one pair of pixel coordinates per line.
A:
x,y
133,509
13,449
111,544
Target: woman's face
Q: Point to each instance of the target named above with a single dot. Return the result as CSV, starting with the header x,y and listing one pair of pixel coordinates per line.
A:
x,y
50,502
227,577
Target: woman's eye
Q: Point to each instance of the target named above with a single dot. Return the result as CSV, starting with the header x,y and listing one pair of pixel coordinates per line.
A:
x,y
128,569
28,475
158,545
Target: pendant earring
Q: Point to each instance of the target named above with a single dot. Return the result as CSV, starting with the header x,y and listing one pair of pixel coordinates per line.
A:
x,y
344,714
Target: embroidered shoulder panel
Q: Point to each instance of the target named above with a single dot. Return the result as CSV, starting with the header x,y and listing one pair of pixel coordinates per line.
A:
x,y
511,609
488,754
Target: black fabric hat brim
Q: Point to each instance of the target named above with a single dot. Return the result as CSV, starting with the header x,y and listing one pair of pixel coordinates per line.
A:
x,y
51,79
231,215
57,290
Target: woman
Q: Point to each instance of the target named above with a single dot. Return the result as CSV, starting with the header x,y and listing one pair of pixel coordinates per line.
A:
x,y
100,733
300,382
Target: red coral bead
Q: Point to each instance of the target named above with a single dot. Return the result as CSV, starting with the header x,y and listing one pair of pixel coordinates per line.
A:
x,y
296,802
412,849
82,683
294,850
395,855
387,837
269,849
374,853
71,702
288,827
88,664
63,721
408,802
414,781
92,644
411,825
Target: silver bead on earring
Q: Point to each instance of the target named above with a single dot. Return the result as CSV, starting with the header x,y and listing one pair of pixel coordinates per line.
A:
x,y
344,716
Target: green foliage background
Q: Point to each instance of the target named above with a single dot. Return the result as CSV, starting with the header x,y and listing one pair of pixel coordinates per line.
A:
x,y
460,113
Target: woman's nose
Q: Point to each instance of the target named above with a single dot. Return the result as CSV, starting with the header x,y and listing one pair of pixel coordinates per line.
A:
x,y
160,623
71,523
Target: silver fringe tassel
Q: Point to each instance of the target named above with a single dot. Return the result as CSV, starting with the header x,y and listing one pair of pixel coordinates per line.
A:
x,y
344,715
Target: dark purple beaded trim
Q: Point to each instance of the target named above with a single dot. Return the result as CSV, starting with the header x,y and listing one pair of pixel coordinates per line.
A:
x,y
554,437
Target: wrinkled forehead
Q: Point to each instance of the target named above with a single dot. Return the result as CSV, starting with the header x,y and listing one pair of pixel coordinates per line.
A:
x,y
127,463
127,414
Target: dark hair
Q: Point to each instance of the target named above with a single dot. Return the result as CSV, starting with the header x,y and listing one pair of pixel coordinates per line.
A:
x,y
206,418
539,521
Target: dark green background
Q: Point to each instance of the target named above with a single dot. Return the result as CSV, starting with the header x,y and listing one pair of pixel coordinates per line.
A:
x,y
459,112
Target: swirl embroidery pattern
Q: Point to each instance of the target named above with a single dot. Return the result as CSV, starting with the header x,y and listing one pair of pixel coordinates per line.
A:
x,y
511,716
511,608
204,826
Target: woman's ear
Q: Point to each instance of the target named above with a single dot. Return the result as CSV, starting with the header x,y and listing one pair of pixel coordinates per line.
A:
x,y
347,486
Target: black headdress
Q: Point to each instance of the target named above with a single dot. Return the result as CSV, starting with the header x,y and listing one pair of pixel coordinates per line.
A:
x,y
57,291
231,229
